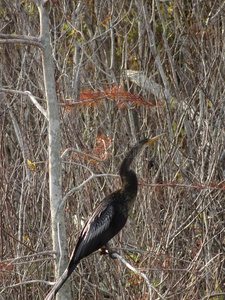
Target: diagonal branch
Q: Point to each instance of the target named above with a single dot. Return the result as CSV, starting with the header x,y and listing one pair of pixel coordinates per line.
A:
x,y
77,188
136,271
32,98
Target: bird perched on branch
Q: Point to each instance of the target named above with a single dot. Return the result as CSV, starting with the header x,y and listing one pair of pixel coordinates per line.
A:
x,y
108,218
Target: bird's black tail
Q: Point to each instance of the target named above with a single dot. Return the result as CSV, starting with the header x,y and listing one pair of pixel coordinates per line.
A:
x,y
60,282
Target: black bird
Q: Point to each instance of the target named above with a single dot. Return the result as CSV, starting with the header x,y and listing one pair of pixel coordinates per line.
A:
x,y
108,218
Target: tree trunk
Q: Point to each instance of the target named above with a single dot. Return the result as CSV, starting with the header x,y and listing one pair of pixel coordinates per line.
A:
x,y
55,178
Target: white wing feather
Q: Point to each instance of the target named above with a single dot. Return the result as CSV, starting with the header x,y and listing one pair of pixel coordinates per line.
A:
x,y
100,224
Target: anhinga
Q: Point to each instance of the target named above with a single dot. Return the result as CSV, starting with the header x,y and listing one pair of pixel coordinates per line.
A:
x,y
108,218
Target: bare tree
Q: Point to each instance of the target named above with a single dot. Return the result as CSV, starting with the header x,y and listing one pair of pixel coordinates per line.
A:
x,y
55,180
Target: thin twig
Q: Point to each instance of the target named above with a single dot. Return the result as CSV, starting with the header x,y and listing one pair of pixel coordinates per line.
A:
x,y
32,98
213,296
60,247
26,282
80,152
28,256
77,188
39,107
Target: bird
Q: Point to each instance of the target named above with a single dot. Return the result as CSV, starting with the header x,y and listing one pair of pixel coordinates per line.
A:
x,y
108,218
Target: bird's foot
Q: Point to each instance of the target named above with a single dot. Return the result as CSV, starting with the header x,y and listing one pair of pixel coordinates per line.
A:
x,y
107,250
103,251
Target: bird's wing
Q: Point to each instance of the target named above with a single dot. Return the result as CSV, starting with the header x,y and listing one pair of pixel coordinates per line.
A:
x,y
99,222
91,237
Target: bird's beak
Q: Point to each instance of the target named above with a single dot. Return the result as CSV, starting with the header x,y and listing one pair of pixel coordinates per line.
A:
x,y
154,139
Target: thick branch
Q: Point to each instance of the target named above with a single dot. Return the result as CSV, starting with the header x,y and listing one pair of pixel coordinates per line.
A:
x,y
22,39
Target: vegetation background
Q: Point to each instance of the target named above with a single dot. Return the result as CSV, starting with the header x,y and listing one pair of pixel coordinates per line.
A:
x,y
124,70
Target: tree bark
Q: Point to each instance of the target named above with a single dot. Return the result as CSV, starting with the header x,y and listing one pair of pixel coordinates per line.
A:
x,y
55,176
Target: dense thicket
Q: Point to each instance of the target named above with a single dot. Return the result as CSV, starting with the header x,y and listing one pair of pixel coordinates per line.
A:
x,y
124,70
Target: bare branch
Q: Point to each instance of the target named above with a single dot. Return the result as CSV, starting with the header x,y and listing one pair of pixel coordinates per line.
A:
x,y
14,260
136,271
216,295
27,93
77,188
26,282
83,153
39,107
22,39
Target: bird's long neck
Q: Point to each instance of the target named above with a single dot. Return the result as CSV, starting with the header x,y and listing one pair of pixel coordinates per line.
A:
x,y
125,166
128,176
